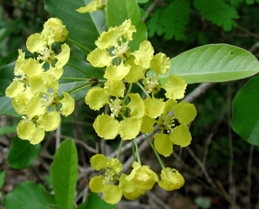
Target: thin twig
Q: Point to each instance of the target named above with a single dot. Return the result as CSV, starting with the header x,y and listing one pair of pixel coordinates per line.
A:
x,y
58,133
150,10
158,200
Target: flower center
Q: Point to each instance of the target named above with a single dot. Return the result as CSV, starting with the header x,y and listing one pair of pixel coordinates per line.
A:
x,y
48,100
46,55
117,107
122,50
110,176
152,85
166,122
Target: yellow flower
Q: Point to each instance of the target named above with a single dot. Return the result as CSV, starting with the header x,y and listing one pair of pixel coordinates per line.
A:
x,y
160,63
141,179
92,6
171,179
60,32
105,184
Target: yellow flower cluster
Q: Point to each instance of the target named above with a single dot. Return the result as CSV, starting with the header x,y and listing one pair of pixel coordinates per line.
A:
x,y
129,113
93,6
131,186
35,87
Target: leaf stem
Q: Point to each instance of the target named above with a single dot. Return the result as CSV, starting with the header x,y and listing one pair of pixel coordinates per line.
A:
x,y
77,44
79,88
74,79
157,155
129,90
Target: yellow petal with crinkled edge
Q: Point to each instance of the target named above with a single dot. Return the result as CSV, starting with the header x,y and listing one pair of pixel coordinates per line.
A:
x,y
108,39
163,144
60,32
34,107
114,88
35,43
98,162
49,121
129,188
181,136
68,104
57,72
127,29
129,128
37,135
136,71
63,57
18,63
112,194
48,34
24,129
114,164
169,105
160,63
91,7
175,87
99,58
31,67
50,81
171,179
136,105
37,85
116,72
154,107
147,125
20,101
185,112
14,89
96,98
144,54
96,184
106,126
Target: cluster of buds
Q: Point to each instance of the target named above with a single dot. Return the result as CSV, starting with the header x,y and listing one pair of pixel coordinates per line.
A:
x,y
131,114
35,87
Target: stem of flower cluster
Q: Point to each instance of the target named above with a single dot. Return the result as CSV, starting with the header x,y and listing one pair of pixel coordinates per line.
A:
x,y
133,150
129,90
157,155
74,79
82,71
119,151
137,152
143,89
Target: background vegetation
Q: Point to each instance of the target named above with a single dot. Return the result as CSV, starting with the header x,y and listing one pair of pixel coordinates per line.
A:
x,y
220,168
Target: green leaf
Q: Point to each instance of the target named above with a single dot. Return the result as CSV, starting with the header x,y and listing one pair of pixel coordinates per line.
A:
x,y
7,129
84,28
2,178
245,116
95,202
142,1
153,24
28,195
213,63
6,77
64,174
22,154
174,19
118,11
218,12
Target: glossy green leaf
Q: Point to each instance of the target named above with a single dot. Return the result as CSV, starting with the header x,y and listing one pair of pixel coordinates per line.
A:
x,y
6,77
245,116
64,174
28,195
7,129
95,202
118,11
213,63
84,28
2,178
22,154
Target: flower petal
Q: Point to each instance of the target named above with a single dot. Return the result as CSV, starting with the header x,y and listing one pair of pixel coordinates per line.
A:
x,y
136,105
181,136
147,125
98,162
34,107
50,121
129,128
68,104
63,57
96,184
96,98
136,72
24,129
163,144
175,87
112,194
154,107
106,126
37,135
99,58
116,72
114,88
160,63
185,112
35,43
